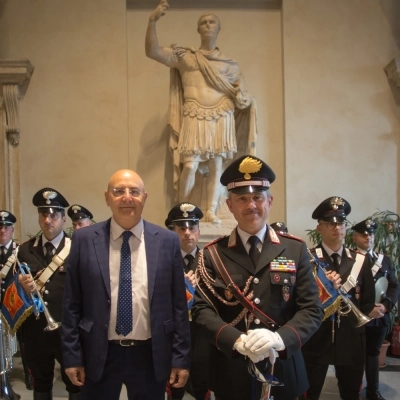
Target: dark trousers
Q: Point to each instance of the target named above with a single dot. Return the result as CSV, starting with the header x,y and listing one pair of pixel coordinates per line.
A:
x,y
375,336
132,366
42,349
349,380
198,382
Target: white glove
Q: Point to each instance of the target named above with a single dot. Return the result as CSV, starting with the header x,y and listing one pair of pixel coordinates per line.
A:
x,y
260,341
239,346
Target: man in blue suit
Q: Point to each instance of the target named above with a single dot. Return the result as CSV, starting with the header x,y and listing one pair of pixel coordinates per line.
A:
x,y
125,314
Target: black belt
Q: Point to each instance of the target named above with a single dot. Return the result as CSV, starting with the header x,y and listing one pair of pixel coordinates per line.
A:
x,y
129,342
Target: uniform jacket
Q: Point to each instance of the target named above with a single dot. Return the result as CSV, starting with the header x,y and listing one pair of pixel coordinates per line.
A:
x,y
349,343
54,288
392,292
289,298
3,259
87,301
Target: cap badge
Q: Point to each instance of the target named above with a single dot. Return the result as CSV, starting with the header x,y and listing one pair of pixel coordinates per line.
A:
x,y
279,224
49,195
368,223
4,215
249,166
76,208
336,202
185,207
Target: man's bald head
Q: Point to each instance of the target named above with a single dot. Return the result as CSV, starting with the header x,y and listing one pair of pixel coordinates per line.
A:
x,y
126,197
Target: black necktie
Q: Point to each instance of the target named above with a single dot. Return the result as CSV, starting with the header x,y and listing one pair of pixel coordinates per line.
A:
x,y
254,253
335,257
370,259
189,264
3,253
124,306
49,252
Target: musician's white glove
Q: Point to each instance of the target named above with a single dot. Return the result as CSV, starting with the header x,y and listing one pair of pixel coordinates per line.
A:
x,y
260,341
239,346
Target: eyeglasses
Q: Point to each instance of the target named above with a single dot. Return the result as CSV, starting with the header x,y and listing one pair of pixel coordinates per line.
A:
x,y
182,229
334,225
119,192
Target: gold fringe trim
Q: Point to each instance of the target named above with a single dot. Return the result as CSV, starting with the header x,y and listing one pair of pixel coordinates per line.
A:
x,y
20,321
332,308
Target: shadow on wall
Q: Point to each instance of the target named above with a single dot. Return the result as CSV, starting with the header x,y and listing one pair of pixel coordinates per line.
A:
x,y
391,10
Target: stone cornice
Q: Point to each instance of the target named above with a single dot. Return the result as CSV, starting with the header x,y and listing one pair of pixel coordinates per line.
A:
x,y
15,72
393,71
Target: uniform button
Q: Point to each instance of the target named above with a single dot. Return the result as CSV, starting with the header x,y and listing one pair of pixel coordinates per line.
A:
x,y
106,326
256,280
257,301
46,292
285,281
3,290
48,280
46,303
108,302
257,321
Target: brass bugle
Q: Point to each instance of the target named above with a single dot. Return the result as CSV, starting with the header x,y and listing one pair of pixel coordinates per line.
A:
x,y
362,319
51,324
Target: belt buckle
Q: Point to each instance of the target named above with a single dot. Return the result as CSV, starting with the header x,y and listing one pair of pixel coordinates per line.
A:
x,y
130,342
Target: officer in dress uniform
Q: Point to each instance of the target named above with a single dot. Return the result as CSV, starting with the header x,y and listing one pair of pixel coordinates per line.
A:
x,y
376,330
184,220
338,342
8,249
43,348
273,272
279,227
80,216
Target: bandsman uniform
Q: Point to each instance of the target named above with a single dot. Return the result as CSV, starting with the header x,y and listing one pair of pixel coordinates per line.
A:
x,y
338,341
187,216
80,216
384,277
275,276
48,265
8,253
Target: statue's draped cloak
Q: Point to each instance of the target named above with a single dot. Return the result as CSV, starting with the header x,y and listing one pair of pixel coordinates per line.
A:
x,y
229,83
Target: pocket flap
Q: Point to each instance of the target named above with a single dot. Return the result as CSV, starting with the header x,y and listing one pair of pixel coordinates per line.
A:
x,y
85,324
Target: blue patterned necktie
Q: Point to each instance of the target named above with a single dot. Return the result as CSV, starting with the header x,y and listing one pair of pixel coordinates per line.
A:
x,y
124,305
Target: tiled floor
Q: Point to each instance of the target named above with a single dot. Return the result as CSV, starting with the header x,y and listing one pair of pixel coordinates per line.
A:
x,y
389,377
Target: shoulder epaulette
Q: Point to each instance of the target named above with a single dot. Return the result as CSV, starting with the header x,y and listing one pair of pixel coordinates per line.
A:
x,y
215,241
289,236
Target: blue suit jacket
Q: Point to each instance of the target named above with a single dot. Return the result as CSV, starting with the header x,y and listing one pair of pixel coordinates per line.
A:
x,y
87,301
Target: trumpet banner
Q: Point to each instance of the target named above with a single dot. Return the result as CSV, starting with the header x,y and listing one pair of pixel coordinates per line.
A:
x,y
16,307
189,294
328,295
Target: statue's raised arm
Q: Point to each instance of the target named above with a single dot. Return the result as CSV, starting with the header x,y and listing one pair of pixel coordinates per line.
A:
x,y
153,49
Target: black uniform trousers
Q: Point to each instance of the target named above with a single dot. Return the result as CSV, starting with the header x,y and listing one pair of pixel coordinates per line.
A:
x,y
41,351
348,376
129,365
375,336
198,382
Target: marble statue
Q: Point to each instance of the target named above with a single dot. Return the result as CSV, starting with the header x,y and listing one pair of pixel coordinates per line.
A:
x,y
212,118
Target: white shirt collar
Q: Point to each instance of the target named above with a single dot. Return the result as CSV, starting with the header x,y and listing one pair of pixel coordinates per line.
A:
x,y
7,246
193,253
117,230
244,236
55,242
330,251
